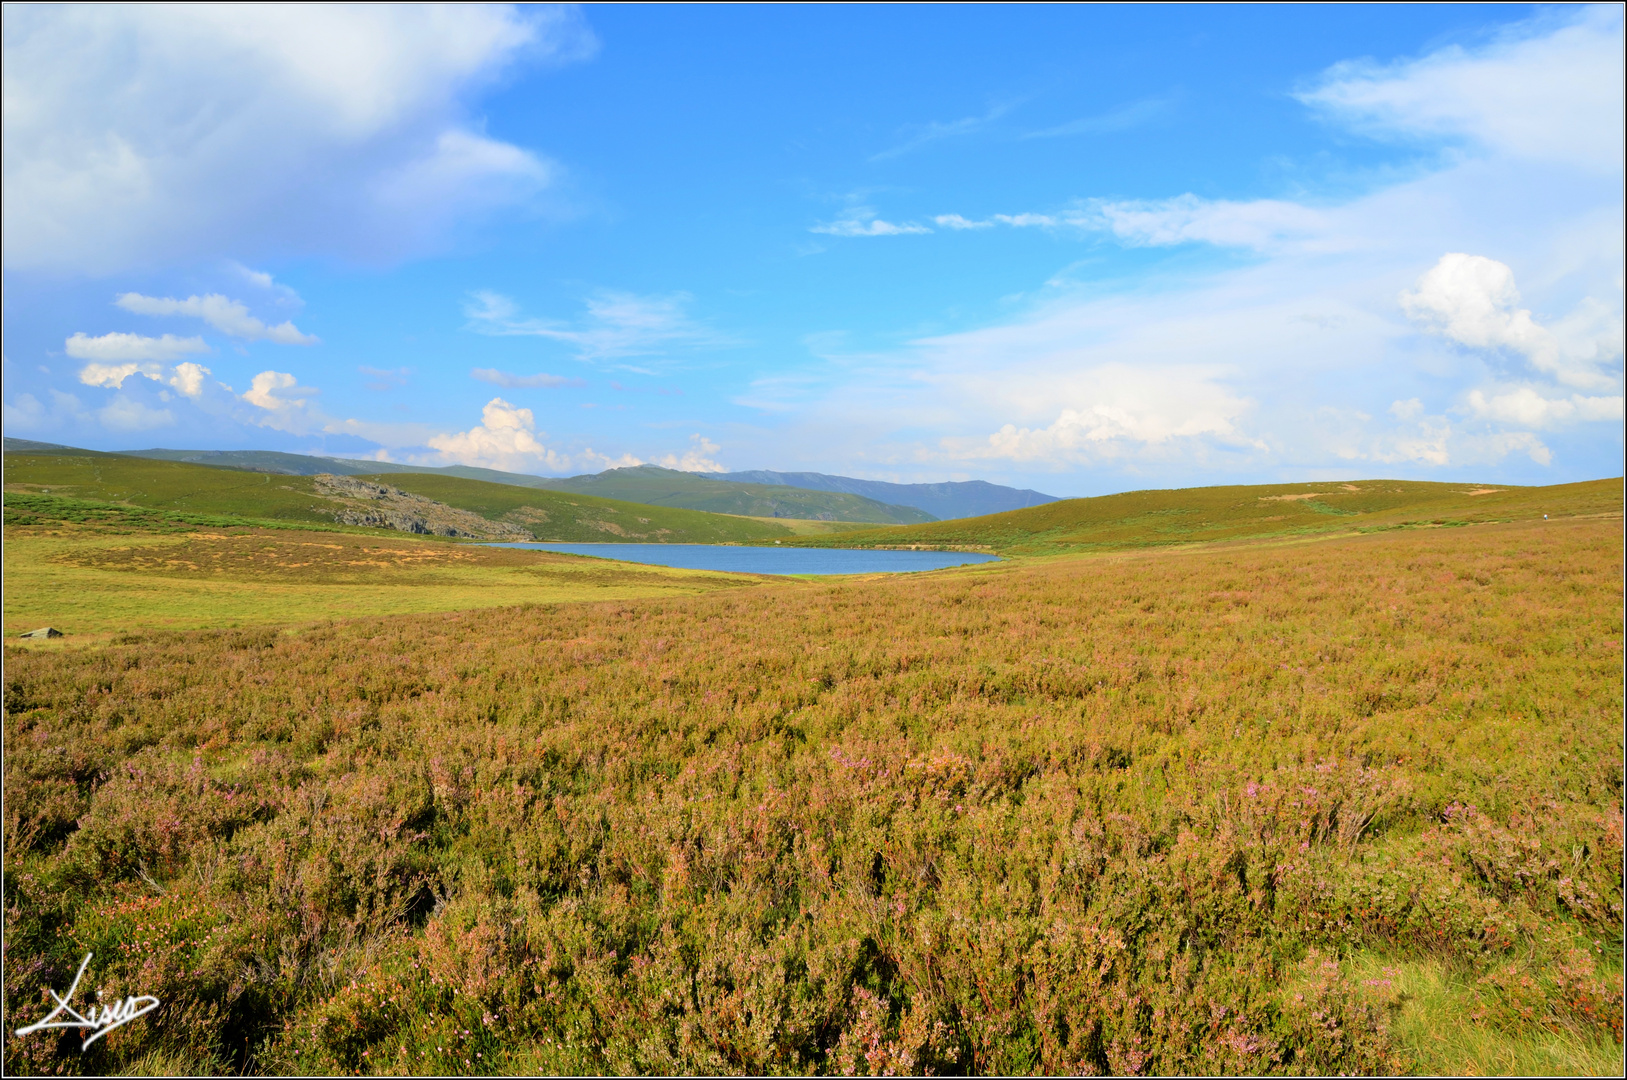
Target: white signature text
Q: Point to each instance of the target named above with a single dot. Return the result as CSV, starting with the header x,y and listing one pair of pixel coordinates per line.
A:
x,y
98,1020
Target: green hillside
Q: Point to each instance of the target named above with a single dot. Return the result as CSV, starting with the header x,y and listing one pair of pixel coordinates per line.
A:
x,y
566,516
166,485
646,484
656,486
201,489
1141,519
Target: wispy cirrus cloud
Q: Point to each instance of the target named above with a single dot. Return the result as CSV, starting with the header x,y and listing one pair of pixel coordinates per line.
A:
x,y
1260,224
616,324
1572,114
862,221
262,279
1132,114
383,379
919,135
230,317
510,381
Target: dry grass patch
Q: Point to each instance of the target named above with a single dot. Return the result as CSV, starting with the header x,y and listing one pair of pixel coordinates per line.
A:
x,y
90,581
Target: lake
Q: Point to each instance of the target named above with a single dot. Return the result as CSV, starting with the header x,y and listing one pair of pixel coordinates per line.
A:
x,y
769,560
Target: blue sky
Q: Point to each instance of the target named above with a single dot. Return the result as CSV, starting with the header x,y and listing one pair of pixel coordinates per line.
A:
x,y
1080,249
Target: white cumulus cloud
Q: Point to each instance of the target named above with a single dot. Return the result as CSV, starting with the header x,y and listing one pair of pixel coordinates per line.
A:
x,y
1117,410
113,375
1473,300
113,347
286,405
223,313
1529,407
698,458
506,438
188,379
137,133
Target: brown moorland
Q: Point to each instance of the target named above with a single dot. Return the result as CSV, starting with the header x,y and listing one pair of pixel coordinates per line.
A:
x,y
1191,811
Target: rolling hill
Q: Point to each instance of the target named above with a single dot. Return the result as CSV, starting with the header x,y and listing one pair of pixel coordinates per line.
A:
x,y
758,493
1144,519
656,486
410,502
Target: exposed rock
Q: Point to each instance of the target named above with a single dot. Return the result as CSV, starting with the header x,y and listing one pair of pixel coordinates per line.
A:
x,y
379,506
44,632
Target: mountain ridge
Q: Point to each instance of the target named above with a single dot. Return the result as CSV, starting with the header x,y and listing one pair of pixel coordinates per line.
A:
x,y
883,503
944,501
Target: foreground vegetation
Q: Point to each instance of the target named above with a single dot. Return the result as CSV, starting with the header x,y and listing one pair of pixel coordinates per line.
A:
x,y
200,489
1295,808
1152,519
99,570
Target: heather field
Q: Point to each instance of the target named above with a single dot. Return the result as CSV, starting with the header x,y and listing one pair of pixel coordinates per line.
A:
x,y
1341,805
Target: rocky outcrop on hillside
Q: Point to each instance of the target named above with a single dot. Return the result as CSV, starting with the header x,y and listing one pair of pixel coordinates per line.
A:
x,y
379,506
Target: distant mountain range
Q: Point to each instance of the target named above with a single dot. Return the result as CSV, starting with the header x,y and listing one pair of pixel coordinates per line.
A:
x,y
655,486
952,499
758,493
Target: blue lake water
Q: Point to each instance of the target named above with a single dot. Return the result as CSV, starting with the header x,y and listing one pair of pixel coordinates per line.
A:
x,y
769,560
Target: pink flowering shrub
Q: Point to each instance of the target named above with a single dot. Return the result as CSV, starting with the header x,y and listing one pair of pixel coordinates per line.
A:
x,y
1078,816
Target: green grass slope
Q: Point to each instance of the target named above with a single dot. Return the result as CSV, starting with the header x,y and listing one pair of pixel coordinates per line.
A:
x,y
166,485
646,484
250,496
656,486
566,516
1142,519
